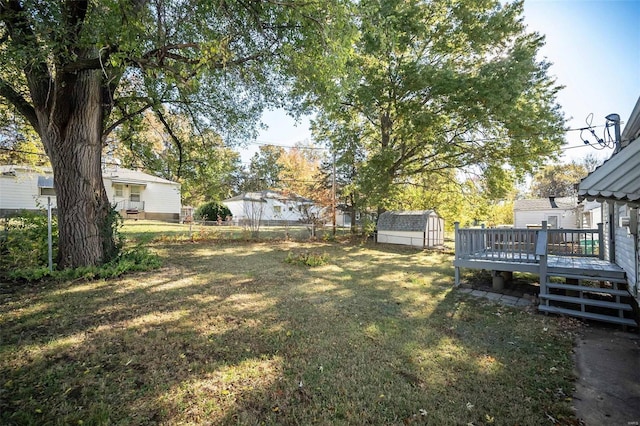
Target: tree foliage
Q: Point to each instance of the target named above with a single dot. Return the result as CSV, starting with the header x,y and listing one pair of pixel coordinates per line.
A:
x,y
440,85
170,147
302,174
264,169
557,180
19,143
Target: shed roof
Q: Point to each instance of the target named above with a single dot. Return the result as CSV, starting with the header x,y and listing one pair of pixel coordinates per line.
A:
x,y
415,220
533,204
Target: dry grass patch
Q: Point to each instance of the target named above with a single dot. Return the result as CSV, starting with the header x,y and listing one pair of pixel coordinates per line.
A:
x,y
231,332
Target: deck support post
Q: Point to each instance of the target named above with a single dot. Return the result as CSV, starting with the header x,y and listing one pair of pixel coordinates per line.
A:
x,y
497,280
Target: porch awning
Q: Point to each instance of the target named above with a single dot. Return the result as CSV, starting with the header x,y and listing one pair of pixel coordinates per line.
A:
x,y
125,181
618,179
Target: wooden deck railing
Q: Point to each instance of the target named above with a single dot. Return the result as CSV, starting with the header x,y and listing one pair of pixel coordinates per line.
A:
x,y
515,244
497,243
576,242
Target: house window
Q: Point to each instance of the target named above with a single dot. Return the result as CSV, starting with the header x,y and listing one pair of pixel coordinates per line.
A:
x,y
277,209
552,222
134,195
118,191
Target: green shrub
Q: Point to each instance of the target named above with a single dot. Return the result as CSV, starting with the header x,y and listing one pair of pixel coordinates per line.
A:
x,y
24,252
136,259
23,241
307,259
212,210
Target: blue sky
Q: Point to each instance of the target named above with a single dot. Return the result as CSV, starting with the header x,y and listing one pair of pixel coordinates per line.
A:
x,y
595,50
594,47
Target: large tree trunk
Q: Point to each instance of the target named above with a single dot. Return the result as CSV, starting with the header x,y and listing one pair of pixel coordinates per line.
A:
x,y
71,128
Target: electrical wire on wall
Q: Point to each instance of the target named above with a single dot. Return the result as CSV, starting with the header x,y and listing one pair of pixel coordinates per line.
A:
x,y
607,141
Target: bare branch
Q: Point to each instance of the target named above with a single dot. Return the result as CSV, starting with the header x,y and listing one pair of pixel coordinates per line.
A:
x,y
124,119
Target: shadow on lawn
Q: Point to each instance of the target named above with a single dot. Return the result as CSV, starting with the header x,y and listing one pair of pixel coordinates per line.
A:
x,y
243,337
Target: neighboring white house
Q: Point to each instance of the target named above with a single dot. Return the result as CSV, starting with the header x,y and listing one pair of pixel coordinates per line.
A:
x,y
558,212
420,228
616,184
134,194
271,206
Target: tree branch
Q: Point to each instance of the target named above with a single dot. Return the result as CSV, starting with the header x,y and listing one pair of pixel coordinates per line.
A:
x,y
175,139
75,12
21,34
123,119
24,107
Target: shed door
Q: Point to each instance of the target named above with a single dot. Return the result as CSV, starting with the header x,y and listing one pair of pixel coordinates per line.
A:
x,y
434,231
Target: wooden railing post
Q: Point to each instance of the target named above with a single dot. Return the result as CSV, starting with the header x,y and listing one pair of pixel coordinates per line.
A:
x,y
601,241
457,242
541,251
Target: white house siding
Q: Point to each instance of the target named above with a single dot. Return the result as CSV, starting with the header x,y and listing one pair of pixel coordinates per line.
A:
x,y
626,244
20,192
165,200
236,208
637,274
267,206
524,218
606,234
159,198
408,238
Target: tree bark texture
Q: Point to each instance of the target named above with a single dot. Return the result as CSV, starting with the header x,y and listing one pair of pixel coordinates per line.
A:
x,y
71,126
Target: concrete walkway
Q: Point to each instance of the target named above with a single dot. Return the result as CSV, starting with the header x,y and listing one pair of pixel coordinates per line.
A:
x,y
608,385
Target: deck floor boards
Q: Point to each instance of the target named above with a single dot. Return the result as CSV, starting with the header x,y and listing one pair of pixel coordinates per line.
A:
x,y
512,261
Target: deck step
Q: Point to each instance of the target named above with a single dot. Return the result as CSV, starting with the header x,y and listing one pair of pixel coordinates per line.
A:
x,y
573,287
587,315
617,278
587,302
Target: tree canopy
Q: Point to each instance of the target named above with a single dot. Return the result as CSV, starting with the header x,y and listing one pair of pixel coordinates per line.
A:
x,y
438,86
76,70
558,180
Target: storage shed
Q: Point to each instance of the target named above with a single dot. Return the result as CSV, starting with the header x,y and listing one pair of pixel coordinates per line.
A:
x,y
421,228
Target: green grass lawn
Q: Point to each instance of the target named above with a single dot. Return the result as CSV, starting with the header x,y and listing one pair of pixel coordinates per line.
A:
x,y
234,332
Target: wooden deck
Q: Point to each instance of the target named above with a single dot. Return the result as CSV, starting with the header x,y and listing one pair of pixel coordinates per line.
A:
x,y
583,263
593,288
529,250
